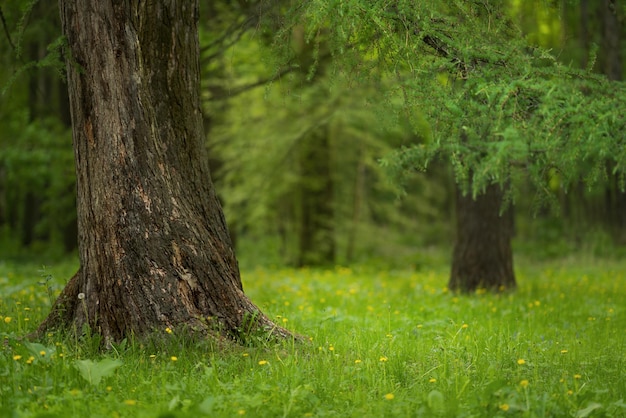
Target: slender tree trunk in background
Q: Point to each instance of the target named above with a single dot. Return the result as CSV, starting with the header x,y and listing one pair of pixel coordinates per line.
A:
x,y
317,235
482,256
357,200
612,67
153,243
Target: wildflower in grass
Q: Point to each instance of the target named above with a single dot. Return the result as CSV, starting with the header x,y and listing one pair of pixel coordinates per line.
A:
x,y
245,355
389,396
504,407
285,320
465,326
521,362
524,383
432,380
570,392
331,348
174,358
241,412
42,353
7,319
152,356
81,296
109,388
168,330
383,359
357,361
263,362
30,360
563,351
419,326
577,376
17,357
130,402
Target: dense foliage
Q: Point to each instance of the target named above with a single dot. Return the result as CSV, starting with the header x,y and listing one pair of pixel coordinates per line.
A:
x,y
478,92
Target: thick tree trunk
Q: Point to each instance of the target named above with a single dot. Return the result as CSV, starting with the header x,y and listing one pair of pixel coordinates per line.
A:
x,y
482,255
153,244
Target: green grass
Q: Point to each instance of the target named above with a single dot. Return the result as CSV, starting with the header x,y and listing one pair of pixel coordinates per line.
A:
x,y
383,343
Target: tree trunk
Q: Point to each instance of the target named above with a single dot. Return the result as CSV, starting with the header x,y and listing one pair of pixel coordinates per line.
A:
x,y
482,255
153,243
317,232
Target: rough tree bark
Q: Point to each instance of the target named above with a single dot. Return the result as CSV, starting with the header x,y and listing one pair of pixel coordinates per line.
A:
x,y
153,243
482,255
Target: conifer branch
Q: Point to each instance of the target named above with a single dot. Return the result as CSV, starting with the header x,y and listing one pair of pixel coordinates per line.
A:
x,y
6,29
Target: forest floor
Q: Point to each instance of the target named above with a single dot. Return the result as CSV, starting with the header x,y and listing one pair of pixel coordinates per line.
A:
x,y
382,343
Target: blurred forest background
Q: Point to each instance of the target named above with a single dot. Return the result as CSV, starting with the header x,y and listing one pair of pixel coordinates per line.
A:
x,y
298,151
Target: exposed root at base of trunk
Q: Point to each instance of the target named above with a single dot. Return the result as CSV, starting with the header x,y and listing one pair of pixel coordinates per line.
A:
x,y
69,314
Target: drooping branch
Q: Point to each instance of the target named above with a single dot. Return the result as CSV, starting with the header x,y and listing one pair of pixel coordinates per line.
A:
x,y
6,29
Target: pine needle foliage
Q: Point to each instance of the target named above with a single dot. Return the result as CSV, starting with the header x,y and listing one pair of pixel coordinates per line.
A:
x,y
498,108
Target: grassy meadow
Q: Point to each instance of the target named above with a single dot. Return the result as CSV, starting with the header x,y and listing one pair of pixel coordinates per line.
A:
x,y
392,343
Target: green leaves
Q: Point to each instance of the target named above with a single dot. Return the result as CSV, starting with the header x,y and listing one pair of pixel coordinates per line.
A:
x,y
94,371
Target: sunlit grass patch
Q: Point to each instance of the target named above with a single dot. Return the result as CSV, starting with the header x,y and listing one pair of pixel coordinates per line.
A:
x,y
381,343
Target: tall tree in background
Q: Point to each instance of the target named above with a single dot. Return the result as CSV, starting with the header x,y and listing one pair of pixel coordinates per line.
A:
x,y
486,94
153,243
482,255
37,204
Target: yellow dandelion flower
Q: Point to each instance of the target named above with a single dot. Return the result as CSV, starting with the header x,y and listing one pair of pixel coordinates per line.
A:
x,y
17,357
504,407
577,376
130,402
174,358
389,396
30,360
570,392
42,353
521,361
563,351
331,348
263,362
357,361
432,380
7,319
383,359
241,412
109,388
465,326
245,355
524,383
168,330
